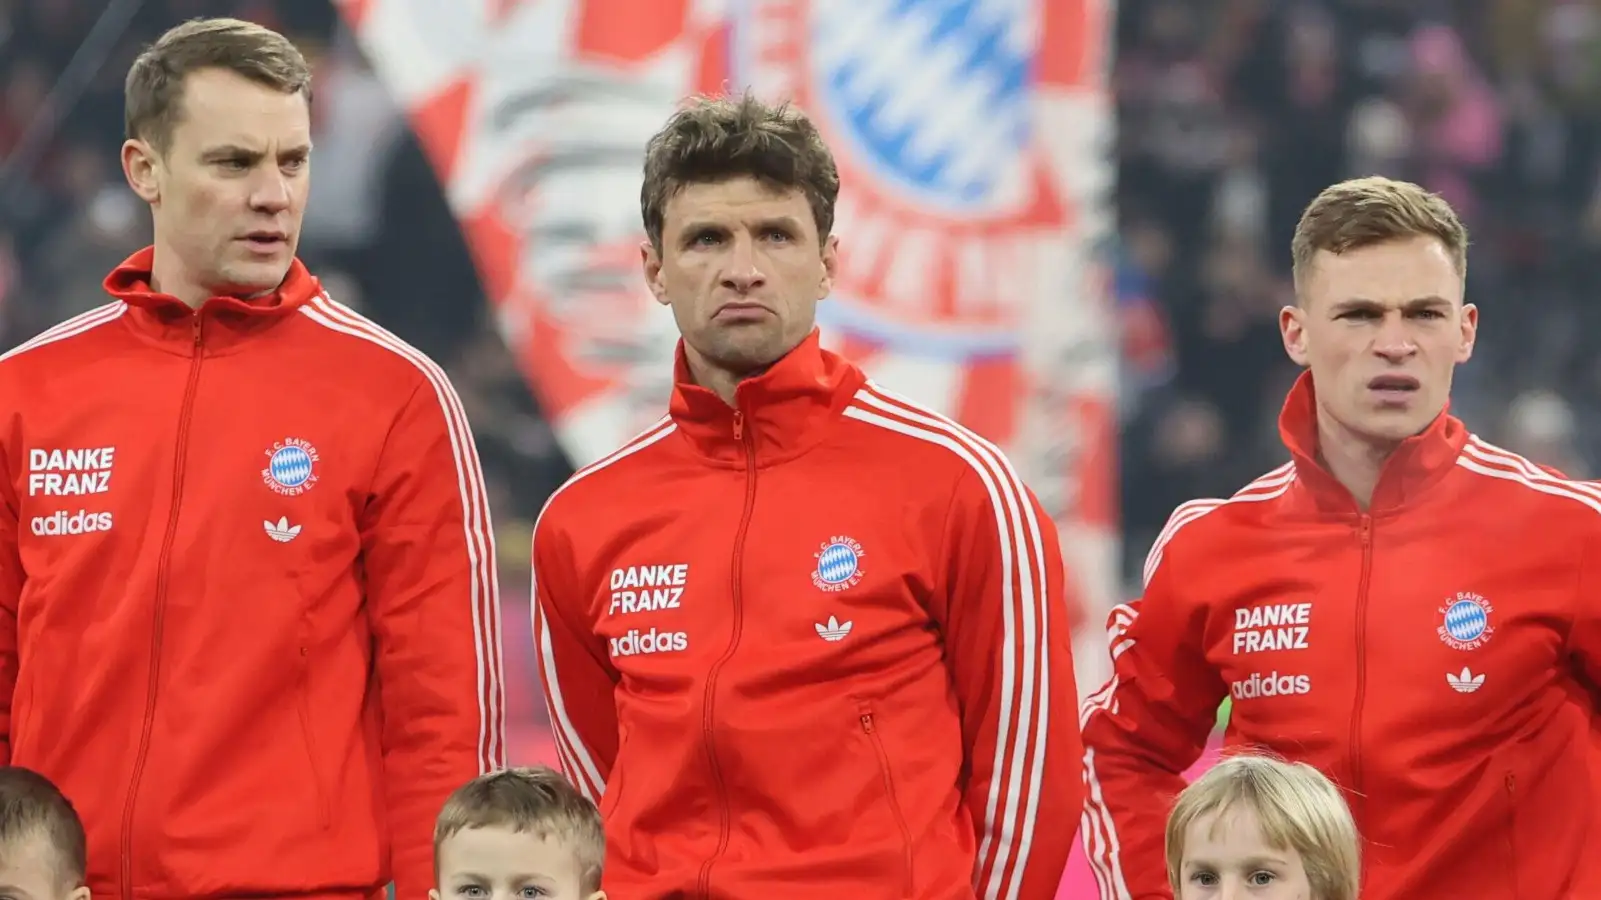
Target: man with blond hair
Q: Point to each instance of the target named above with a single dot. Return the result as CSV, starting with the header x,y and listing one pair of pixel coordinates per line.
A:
x,y
1403,605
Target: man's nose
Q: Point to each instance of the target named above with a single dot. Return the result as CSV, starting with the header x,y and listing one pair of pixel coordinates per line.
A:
x,y
1395,341
743,272
270,193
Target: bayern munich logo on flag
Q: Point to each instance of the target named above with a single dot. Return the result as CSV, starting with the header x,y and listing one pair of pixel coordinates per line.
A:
x,y
947,209
1466,622
839,564
291,467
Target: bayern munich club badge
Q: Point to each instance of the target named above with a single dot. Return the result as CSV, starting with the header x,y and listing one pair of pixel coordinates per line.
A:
x,y
839,564
1465,621
291,467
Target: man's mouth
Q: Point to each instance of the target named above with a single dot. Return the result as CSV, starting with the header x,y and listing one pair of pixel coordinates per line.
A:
x,y
266,240
740,310
1394,384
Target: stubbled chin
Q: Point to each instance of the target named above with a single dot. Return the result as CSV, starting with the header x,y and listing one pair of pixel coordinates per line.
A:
x,y
255,278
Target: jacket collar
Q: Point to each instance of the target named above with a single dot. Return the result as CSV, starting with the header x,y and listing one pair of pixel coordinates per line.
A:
x,y
1418,463
781,413
228,320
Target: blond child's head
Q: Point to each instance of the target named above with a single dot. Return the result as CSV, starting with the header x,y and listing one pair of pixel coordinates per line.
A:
x,y
42,847
508,831
1258,827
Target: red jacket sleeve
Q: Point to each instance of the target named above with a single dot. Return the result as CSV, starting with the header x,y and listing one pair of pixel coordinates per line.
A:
x,y
1584,637
574,668
1144,728
1005,622
11,579
429,557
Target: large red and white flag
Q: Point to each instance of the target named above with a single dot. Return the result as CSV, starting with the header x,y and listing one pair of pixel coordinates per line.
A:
x,y
972,138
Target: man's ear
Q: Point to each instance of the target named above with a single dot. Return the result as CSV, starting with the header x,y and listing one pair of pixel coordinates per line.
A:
x,y
141,166
1292,328
830,266
433,894
80,893
598,895
1470,333
651,262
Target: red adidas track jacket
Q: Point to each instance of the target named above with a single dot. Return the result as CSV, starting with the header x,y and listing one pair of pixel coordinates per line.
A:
x,y
247,593
1436,656
815,644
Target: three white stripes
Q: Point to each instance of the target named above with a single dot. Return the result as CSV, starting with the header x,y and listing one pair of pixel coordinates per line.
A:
x,y
1101,845
1006,842
478,531
576,758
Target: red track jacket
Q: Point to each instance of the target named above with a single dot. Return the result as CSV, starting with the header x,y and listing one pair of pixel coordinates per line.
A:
x,y
247,592
814,645
1432,656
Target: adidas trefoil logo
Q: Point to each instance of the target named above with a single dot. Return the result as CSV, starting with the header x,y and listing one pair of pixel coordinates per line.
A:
x,y
1466,682
835,630
281,531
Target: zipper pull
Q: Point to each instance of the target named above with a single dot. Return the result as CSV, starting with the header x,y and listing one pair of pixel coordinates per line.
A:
x,y
867,722
739,425
1365,530
198,321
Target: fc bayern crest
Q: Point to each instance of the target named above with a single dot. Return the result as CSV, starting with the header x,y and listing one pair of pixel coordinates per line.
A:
x,y
291,467
1465,621
949,204
839,564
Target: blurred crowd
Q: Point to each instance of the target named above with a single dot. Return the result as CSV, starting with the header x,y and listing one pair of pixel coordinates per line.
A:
x,y
1232,114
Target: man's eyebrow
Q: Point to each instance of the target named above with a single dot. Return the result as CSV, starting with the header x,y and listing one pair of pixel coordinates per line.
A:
x,y
1354,303
235,151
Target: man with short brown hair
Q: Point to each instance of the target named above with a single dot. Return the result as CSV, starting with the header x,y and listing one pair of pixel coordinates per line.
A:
x,y
1403,605
248,600
808,636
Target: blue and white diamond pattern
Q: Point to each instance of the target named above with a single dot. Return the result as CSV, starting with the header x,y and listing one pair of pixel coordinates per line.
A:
x,y
931,94
1465,620
836,564
290,466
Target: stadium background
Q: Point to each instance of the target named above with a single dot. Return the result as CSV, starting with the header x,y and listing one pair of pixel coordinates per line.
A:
x,y
1114,186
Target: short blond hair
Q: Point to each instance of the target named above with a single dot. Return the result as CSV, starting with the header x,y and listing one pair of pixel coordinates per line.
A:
x,y
538,800
1297,809
153,91
1365,211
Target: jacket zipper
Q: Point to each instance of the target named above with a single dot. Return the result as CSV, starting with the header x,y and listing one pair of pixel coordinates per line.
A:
x,y
164,563
1365,535
725,825
894,799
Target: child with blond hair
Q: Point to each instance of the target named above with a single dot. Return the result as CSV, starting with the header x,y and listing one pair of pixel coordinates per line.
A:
x,y
509,832
1258,827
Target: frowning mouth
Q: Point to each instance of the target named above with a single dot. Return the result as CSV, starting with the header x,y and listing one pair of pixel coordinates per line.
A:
x,y
741,311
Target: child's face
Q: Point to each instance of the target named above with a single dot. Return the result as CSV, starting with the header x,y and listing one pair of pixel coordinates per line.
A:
x,y
30,870
501,864
1225,857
